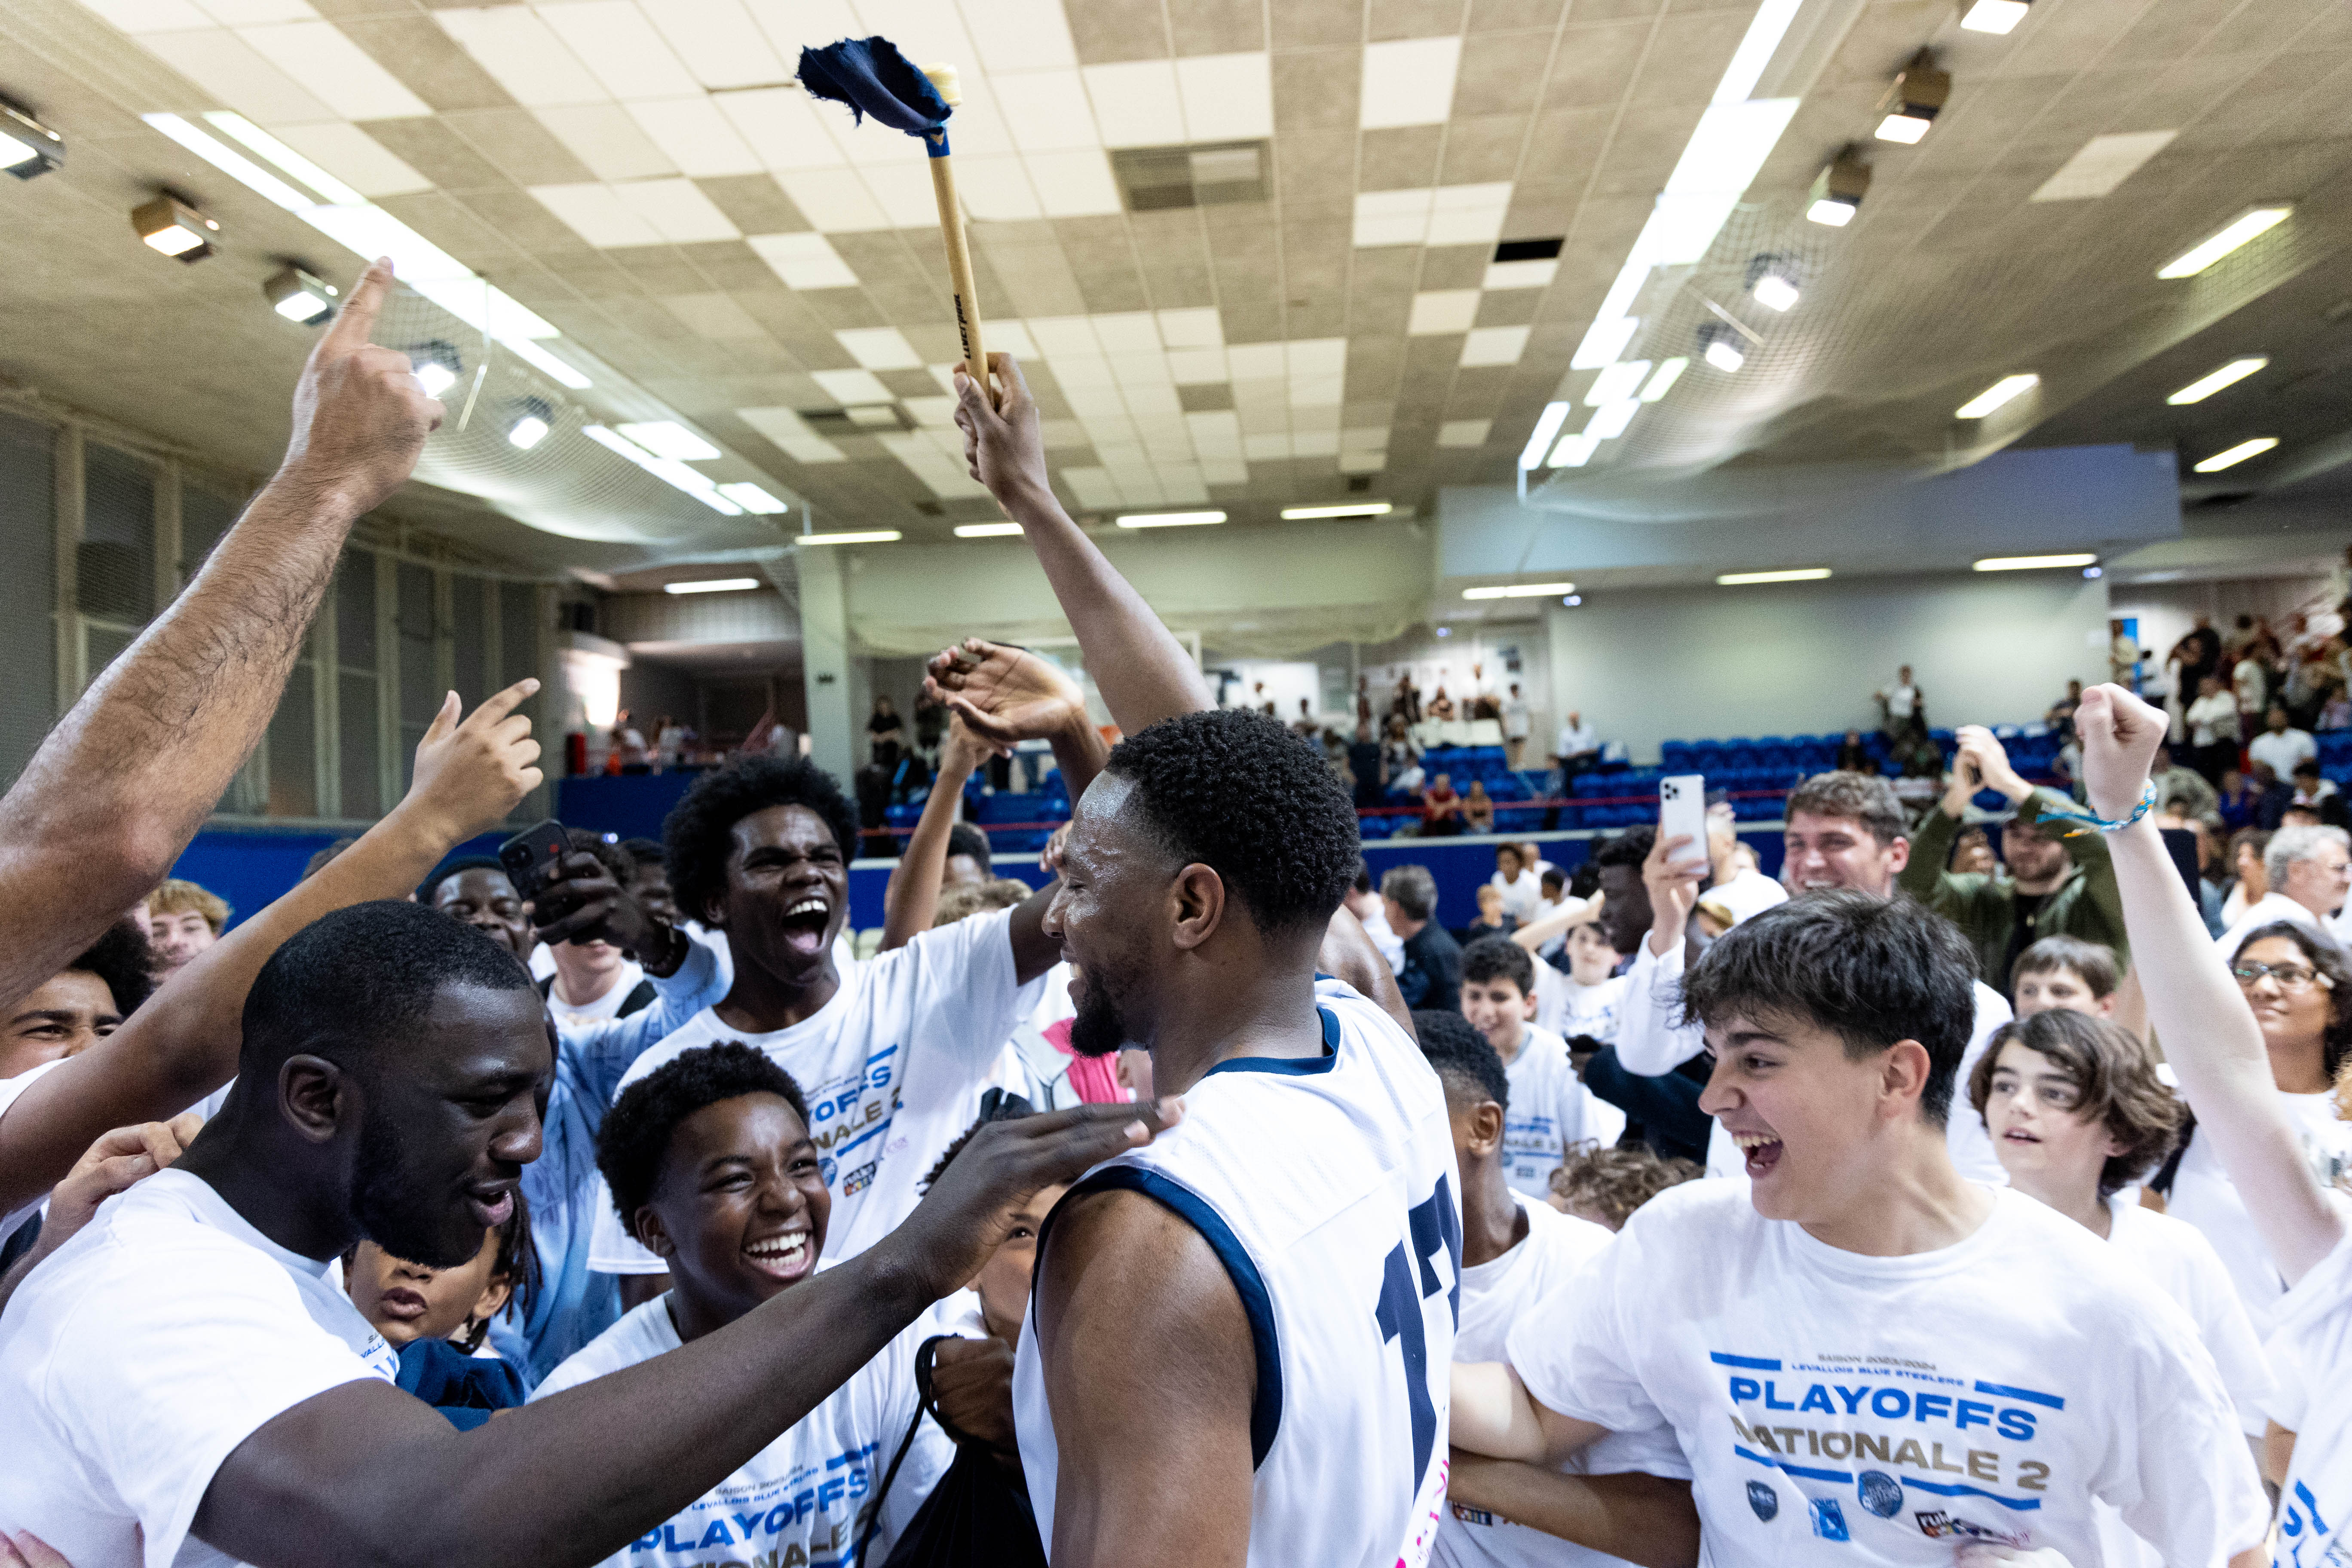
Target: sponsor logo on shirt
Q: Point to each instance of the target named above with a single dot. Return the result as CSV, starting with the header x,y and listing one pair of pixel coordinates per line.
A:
x,y
809,1519
1941,1526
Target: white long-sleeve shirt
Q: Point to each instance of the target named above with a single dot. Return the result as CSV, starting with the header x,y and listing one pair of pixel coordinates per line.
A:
x,y
1650,1041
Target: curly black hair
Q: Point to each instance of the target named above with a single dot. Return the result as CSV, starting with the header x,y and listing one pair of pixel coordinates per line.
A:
x,y
352,983
1466,1063
430,889
694,838
634,1139
1630,847
121,957
1238,793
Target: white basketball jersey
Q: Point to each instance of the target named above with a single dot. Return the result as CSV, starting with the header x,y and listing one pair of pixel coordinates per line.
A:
x,y
1325,1186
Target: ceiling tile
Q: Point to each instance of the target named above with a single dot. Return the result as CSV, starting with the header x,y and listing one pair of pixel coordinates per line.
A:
x,y
1228,97
783,127
804,260
354,157
834,200
1510,15
620,47
1400,158
1135,103
436,151
1019,34
1493,346
336,69
235,72
1413,19
1077,184
1409,82
852,387
1447,311
719,42
1594,63
880,348
1463,432
1108,31
603,137
1313,24
1048,112
523,54
1218,27
695,136
1482,149
429,60
677,209
1315,90
518,146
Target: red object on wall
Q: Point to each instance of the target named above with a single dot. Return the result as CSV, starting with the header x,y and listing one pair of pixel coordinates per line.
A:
x,y
576,754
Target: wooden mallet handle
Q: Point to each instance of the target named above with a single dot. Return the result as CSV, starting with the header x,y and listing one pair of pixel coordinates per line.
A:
x,y
943,187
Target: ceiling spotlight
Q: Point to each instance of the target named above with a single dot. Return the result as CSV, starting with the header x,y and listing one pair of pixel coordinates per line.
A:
x,y
1838,191
2002,393
27,148
1772,279
1992,16
1721,347
301,297
2230,374
435,365
531,428
1572,600
2237,454
172,227
861,536
2260,220
1912,104
1519,591
1445,631
2093,571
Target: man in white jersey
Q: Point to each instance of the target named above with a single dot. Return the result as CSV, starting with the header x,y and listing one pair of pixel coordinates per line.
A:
x,y
894,1056
1863,1354
1845,830
1235,1354
1515,1251
2213,1044
185,1383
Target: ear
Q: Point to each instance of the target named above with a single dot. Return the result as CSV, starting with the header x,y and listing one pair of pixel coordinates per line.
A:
x,y
1899,855
493,1298
1904,1074
315,1096
1528,1008
1199,905
1486,1128
652,1235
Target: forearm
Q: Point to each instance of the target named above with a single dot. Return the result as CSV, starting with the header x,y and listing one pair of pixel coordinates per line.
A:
x,y
136,765
1931,850
1142,672
1494,1414
1649,1040
1080,753
550,1484
1571,913
1648,1520
912,900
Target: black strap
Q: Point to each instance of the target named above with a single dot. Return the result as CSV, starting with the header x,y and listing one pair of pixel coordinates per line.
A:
x,y
923,1405
2162,1181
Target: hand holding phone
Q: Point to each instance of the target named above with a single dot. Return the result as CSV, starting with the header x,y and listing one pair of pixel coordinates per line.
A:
x,y
529,855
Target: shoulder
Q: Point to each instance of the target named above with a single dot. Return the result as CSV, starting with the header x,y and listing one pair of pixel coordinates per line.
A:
x,y
948,949
1141,1252
643,1333
1560,1243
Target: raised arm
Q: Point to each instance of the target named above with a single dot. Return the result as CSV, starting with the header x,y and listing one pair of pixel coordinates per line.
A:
x,y
1143,672
183,1043
131,773
365,1473
1571,913
2209,1032
912,899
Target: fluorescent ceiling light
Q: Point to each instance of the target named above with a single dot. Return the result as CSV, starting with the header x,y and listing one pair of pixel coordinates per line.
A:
x,y
1617,382
2237,454
669,471
1994,15
1609,422
2230,374
2262,220
987,530
712,586
1519,591
435,377
230,161
1725,355
1774,292
1359,509
555,368
285,157
1833,212
1168,518
1907,128
1755,51
1797,575
2033,562
2008,389
752,498
1574,451
1663,382
668,439
1548,425
861,536
12,151
528,432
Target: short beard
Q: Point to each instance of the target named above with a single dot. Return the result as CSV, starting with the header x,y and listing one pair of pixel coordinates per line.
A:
x,y
1097,1030
390,1211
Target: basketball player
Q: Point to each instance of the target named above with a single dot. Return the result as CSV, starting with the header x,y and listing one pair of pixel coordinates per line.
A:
x,y
1292,1268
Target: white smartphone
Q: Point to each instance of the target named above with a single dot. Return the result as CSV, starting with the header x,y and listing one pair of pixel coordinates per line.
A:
x,y
1682,810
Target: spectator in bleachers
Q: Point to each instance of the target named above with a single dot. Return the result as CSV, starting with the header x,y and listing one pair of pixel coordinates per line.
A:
x,y
2280,745
1901,708
2174,782
2212,724
1478,808
886,732
1440,809
1440,707
2058,885
1364,901
2250,681
2236,800
1400,759
1518,880
183,919
2308,871
1517,720
2245,865
1432,975
2062,712
2122,657
1577,748
1853,756
2310,788
1368,766
1306,723
1405,706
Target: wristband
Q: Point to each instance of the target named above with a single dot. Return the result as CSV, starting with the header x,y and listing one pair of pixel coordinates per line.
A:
x,y
2091,819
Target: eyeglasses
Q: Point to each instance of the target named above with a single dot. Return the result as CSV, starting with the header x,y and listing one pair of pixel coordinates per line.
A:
x,y
2290,977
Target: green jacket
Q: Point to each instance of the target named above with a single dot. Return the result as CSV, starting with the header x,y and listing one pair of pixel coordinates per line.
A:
x,y
2086,904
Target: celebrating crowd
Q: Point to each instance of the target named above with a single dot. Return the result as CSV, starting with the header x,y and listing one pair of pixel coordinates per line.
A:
x,y
1210,1204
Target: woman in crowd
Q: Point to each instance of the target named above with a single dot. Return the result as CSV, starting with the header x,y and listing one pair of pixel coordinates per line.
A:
x,y
1478,808
2253,882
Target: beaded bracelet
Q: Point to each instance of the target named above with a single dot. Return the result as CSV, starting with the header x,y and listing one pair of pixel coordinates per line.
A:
x,y
2072,813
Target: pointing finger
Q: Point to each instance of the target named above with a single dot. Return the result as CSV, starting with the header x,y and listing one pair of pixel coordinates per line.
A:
x,y
498,705
443,721
356,323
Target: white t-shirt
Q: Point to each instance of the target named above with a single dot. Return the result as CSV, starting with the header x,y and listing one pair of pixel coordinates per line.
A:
x,y
631,974
892,1067
1522,895
1575,738
1898,1407
1901,701
803,1498
2272,908
2282,749
2314,1337
10,1089
1748,893
143,1352
1565,1007
1550,1108
2212,718
2203,1195
1495,1295
1515,719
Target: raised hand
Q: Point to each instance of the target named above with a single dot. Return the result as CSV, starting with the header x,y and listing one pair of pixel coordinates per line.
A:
x,y
2120,734
1003,445
360,415
1049,859
1674,884
1005,695
116,1163
973,1383
469,775
582,902
1982,749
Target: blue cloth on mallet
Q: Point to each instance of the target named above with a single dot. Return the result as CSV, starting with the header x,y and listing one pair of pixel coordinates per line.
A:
x,y
873,78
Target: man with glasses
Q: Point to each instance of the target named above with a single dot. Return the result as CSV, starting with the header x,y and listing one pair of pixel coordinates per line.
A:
x,y
2310,874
